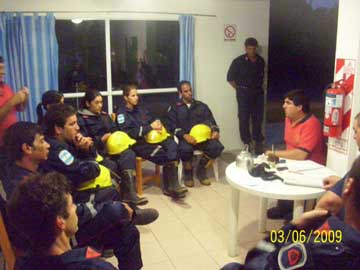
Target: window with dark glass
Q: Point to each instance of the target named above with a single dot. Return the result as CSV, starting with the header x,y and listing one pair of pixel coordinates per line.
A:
x,y
145,52
82,55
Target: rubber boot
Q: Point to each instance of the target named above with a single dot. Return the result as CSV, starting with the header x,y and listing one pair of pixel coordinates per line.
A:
x,y
171,181
128,189
204,162
145,216
188,174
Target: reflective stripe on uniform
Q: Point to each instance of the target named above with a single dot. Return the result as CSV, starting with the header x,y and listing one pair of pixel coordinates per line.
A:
x,y
91,208
157,149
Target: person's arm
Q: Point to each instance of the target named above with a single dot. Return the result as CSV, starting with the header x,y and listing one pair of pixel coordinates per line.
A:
x,y
332,199
296,154
131,127
16,100
230,77
75,169
21,107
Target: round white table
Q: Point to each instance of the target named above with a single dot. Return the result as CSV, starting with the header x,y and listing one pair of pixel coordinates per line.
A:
x,y
241,180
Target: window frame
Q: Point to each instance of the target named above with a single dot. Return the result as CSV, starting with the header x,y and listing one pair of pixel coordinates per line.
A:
x,y
118,16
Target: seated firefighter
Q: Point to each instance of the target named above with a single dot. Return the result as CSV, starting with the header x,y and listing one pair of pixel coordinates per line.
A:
x,y
193,123
103,224
152,140
327,243
44,212
99,126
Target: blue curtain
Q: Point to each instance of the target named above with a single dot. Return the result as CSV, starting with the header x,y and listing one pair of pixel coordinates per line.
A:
x,y
30,50
187,29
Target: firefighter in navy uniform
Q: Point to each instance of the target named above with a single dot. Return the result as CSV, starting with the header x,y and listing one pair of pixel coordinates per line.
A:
x,y
48,225
246,76
98,125
74,156
328,244
152,140
194,125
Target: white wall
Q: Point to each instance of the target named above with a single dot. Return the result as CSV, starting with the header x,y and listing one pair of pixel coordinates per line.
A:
x,y
213,55
347,46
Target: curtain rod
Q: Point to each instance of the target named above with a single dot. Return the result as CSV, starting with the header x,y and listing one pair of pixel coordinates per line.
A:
x,y
116,12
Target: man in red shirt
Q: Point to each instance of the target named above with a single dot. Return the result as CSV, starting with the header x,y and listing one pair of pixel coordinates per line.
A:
x,y
303,131
303,138
9,102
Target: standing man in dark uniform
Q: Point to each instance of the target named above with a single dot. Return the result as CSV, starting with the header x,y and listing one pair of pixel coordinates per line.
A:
x,y
183,117
246,76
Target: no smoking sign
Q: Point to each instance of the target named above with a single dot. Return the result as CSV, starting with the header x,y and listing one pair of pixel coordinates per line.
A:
x,y
230,32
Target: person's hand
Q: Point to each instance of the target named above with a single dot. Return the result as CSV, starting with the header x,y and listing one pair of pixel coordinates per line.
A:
x,y
330,181
156,125
215,135
105,137
271,156
83,143
309,218
130,211
20,97
189,139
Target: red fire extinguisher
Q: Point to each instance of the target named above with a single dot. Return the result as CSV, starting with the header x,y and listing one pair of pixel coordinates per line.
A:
x,y
334,110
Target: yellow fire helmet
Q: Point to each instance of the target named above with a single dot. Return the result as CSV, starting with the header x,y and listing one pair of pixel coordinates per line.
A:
x,y
118,142
200,132
102,181
157,136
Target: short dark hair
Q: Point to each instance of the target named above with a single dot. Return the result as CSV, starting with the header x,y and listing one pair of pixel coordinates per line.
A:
x,y
128,88
57,116
34,206
50,97
251,42
181,83
90,95
299,98
18,134
355,174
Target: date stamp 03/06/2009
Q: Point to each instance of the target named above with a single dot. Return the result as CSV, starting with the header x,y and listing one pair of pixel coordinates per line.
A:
x,y
303,236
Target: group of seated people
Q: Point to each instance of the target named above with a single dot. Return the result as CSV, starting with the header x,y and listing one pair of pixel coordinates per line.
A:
x,y
71,179
85,158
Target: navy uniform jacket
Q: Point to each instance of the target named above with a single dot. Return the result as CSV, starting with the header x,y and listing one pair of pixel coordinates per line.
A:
x,y
95,126
245,73
77,166
10,175
313,254
76,259
180,118
136,122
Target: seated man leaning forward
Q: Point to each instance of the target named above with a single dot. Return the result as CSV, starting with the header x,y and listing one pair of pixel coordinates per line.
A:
x,y
43,211
303,138
332,199
193,123
316,240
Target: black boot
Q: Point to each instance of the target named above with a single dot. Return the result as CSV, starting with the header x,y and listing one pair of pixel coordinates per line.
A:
x,y
171,181
282,210
145,216
201,170
128,189
188,174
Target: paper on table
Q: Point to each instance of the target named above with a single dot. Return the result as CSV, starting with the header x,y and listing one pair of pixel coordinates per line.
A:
x,y
308,178
303,165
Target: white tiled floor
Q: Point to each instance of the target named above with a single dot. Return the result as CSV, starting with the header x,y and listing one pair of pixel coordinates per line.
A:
x,y
193,233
